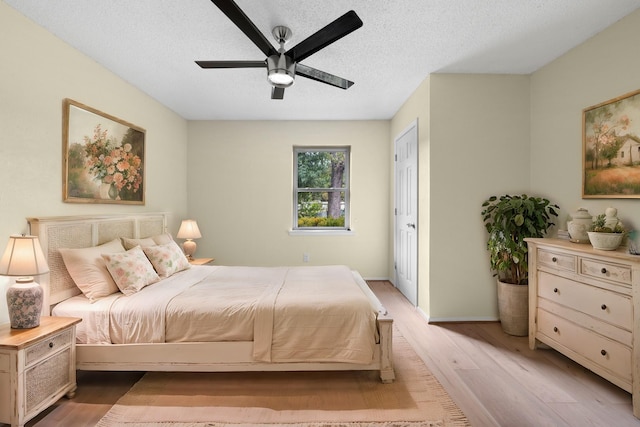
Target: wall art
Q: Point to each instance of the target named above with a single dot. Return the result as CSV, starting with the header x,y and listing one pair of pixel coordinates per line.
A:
x,y
611,148
103,157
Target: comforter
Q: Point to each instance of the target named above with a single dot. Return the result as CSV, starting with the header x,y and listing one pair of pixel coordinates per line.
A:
x,y
292,314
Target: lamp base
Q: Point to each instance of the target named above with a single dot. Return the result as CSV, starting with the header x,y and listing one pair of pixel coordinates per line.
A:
x,y
24,301
189,248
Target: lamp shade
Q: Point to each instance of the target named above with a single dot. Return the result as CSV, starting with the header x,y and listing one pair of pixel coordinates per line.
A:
x,y
189,230
23,257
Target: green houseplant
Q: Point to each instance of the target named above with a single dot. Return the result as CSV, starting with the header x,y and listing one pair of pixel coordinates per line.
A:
x,y
509,220
606,232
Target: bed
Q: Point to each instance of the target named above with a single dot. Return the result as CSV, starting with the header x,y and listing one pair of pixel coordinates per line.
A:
x,y
260,341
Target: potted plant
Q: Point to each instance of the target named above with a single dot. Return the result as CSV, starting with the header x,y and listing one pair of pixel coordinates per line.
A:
x,y
509,220
606,232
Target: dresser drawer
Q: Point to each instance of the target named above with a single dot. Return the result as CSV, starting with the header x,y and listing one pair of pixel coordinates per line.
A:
x,y
48,346
557,260
605,270
608,306
610,355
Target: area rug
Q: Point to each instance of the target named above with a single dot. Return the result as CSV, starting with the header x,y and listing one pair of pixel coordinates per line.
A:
x,y
308,399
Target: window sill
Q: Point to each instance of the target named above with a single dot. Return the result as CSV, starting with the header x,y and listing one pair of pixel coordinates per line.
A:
x,y
321,233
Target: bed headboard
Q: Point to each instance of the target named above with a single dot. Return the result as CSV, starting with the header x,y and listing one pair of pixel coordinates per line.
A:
x,y
82,232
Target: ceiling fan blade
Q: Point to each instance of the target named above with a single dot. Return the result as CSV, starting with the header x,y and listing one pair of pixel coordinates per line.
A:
x,y
277,92
232,64
237,16
339,28
323,77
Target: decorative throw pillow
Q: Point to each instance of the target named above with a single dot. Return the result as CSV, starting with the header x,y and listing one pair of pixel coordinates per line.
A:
x,y
89,271
130,270
160,239
167,259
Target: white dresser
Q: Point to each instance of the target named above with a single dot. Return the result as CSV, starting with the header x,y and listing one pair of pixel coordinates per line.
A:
x,y
582,303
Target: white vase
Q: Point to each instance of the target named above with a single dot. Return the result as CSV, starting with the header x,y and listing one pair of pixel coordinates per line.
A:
x,y
579,226
104,190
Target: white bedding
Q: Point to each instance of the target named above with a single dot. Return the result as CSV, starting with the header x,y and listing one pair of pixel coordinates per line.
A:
x,y
293,314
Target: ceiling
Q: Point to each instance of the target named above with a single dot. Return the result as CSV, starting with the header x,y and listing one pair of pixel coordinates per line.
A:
x,y
153,44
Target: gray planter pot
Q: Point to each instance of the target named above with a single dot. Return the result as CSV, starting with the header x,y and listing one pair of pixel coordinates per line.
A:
x,y
513,308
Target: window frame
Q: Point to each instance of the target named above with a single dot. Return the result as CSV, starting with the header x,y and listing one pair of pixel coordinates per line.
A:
x,y
346,189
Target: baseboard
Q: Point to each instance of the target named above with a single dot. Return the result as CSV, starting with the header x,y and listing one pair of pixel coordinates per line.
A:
x,y
462,319
377,279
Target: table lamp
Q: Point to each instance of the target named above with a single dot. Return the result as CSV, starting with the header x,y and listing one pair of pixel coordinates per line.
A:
x,y
189,230
24,258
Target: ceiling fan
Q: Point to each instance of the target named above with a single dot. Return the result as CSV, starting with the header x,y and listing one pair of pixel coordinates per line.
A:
x,y
282,66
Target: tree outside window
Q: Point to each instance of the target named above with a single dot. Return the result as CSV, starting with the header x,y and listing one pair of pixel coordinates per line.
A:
x,y
321,187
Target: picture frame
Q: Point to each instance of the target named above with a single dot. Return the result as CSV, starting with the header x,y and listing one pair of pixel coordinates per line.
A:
x,y
103,157
611,148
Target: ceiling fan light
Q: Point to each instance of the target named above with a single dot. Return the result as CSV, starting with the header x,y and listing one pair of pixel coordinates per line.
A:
x,y
281,70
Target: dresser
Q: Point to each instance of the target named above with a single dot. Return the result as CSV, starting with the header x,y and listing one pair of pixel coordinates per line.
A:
x,y
37,367
582,303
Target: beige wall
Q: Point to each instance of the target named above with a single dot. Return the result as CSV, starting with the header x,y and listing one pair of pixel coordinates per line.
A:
x,y
240,182
416,108
38,71
474,142
605,67
498,134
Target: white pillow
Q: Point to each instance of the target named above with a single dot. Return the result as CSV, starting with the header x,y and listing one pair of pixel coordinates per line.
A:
x,y
160,239
130,270
132,243
167,259
89,271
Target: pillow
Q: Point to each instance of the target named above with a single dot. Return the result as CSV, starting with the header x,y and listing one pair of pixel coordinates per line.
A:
x,y
89,271
167,259
163,239
130,270
132,243
160,239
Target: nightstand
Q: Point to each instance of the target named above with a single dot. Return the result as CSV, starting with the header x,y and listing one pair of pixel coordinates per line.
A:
x,y
37,367
201,261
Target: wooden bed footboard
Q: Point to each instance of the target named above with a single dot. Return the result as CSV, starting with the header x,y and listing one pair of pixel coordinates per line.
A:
x,y
231,356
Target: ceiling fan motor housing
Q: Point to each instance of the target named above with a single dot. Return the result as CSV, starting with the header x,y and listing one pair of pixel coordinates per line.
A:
x,y
280,70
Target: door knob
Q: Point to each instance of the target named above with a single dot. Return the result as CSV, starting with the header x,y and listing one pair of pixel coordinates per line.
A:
x,y
412,225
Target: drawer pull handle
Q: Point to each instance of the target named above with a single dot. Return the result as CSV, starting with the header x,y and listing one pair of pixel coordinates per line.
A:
x,y
603,352
603,306
554,259
603,271
555,329
555,290
50,345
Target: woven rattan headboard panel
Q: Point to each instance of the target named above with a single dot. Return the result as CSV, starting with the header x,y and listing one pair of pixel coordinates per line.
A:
x,y
83,232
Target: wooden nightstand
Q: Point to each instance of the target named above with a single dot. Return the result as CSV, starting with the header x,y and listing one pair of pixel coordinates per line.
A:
x,y
201,261
37,367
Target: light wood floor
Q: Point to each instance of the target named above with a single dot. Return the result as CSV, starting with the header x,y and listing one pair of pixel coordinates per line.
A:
x,y
494,378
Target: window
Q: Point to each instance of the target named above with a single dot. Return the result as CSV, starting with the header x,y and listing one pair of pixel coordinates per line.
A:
x,y
321,188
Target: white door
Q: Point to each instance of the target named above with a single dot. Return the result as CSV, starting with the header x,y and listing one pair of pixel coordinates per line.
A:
x,y
406,210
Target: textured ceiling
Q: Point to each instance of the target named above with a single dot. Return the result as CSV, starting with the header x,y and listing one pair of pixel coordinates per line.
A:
x,y
153,44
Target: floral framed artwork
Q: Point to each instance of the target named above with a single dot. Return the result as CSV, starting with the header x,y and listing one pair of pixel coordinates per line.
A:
x,y
103,157
611,148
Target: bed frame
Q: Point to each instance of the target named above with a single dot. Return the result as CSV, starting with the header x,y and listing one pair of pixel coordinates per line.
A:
x,y
86,231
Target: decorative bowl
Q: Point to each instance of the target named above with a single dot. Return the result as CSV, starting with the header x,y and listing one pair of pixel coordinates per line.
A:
x,y
605,241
